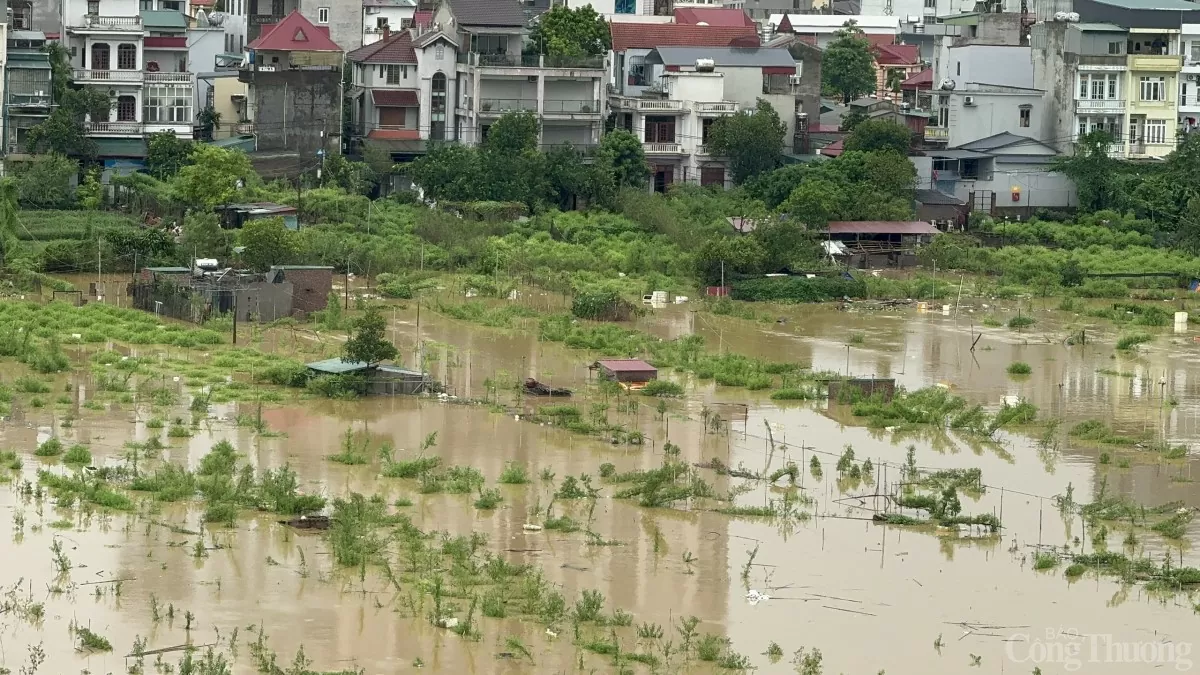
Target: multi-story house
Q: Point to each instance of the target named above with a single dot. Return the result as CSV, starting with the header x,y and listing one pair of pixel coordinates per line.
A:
x,y
497,74
402,87
38,15
893,65
342,18
687,89
632,42
140,59
1189,82
27,88
294,80
1123,65
380,16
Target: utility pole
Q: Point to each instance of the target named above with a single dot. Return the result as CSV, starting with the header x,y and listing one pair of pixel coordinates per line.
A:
x,y
347,282
235,308
99,293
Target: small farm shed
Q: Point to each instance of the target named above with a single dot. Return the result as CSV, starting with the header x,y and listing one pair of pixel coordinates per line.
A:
x,y
379,380
311,285
626,370
166,273
860,387
234,216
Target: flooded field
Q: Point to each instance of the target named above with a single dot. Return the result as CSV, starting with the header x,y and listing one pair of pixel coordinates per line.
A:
x,y
870,596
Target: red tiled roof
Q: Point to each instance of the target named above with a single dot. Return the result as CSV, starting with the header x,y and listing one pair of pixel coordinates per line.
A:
x,y
881,227
833,150
897,55
396,48
922,80
785,26
713,16
395,134
648,36
394,98
625,365
877,40
294,34
423,18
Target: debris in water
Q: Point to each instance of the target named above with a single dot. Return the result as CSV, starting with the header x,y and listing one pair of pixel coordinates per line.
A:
x,y
530,527
450,622
755,597
308,522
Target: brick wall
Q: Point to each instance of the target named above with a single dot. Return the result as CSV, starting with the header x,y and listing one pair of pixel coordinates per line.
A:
x,y
310,288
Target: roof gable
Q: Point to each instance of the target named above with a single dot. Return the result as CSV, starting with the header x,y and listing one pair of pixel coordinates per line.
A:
x,y
730,57
712,16
294,33
396,48
897,55
648,36
1011,143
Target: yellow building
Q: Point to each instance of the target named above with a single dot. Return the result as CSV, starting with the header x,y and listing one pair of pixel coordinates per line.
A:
x,y
1154,64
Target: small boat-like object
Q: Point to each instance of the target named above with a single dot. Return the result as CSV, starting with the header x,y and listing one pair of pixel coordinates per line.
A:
x,y
535,388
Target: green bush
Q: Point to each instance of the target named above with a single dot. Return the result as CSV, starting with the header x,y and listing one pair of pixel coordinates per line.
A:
x,y
1019,368
797,289
662,389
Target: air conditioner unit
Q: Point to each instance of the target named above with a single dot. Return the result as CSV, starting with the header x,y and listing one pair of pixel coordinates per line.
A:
x,y
1193,78
372,10
532,79
968,100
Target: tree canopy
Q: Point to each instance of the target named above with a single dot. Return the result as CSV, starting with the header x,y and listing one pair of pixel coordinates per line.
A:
x,y
213,177
878,135
368,342
623,156
848,67
571,32
166,154
753,141
267,242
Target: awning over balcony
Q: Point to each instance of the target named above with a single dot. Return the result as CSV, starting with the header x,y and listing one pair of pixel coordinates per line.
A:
x,y
394,134
954,153
394,98
167,20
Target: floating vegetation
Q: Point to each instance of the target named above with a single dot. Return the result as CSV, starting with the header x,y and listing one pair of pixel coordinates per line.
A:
x,y
665,486
1019,368
1131,341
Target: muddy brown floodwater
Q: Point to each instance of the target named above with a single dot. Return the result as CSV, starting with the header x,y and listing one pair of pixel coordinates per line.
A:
x,y
871,598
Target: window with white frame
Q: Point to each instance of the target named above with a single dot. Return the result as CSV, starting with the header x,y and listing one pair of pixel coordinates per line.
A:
x,y
168,104
1195,50
439,51
1109,123
1154,88
1156,131
1098,86
1025,114
393,74
322,15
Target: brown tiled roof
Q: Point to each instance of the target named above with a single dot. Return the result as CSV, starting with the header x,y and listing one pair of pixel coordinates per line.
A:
x,y
488,12
394,98
713,16
396,48
422,17
395,134
650,35
897,55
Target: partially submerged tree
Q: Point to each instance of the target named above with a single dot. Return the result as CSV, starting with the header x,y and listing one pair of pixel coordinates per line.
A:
x,y
848,67
1092,170
213,178
752,140
367,342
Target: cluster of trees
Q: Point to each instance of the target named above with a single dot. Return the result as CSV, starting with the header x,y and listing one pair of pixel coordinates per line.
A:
x,y
510,167
848,65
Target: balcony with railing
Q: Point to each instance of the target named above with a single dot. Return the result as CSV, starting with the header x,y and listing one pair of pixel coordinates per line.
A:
x,y
499,106
531,61
717,108
570,107
937,134
169,78
1099,105
102,23
105,76
113,128
243,128
34,100
264,19
1156,62
650,104
662,148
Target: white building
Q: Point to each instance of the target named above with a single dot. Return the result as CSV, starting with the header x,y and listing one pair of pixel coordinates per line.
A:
x,y
823,27
1004,171
674,129
140,59
386,15
1189,79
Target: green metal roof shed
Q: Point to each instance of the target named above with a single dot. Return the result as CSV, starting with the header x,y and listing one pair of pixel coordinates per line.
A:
x,y
337,366
164,19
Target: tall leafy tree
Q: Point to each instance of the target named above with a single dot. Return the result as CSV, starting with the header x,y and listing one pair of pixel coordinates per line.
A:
x,y
1092,170
571,32
267,242
203,236
753,141
368,342
62,132
166,154
449,171
45,182
848,67
877,135
622,154
213,177
8,218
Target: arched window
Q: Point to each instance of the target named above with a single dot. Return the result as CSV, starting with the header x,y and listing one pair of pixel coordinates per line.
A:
x,y
127,57
100,56
437,108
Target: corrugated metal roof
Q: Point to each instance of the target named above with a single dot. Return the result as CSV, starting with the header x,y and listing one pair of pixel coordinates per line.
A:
x,y
506,13
625,365
956,153
1100,28
750,57
169,270
1161,5
164,18
301,267
337,366
712,16
394,98
26,35
881,227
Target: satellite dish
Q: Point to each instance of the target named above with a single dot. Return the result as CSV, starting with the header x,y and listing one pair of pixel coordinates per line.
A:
x,y
216,19
946,85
